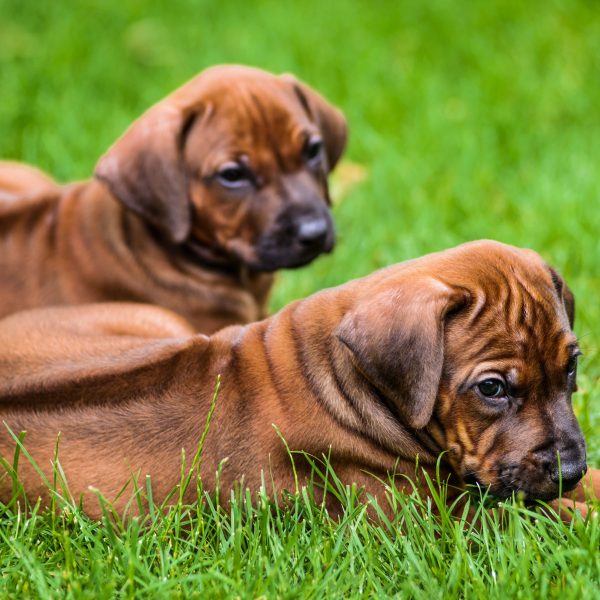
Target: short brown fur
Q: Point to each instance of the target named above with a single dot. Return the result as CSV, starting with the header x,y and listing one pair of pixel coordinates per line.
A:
x,y
161,223
373,373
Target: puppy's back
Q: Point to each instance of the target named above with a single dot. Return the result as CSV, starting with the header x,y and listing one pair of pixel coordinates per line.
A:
x,y
49,350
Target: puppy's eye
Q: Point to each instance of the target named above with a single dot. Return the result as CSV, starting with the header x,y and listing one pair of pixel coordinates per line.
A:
x,y
313,150
232,175
492,388
572,364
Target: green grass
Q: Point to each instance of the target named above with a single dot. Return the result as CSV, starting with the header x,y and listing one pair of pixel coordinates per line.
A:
x,y
257,549
471,119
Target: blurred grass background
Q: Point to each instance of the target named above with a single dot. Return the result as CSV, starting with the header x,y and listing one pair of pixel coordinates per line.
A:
x,y
471,119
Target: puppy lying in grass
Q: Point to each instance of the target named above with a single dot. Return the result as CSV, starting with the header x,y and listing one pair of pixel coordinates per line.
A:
x,y
467,352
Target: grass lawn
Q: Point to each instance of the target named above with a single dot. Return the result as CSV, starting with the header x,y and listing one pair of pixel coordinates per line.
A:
x,y
469,120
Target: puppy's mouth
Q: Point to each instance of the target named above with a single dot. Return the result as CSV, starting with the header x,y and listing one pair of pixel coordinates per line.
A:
x,y
511,481
288,260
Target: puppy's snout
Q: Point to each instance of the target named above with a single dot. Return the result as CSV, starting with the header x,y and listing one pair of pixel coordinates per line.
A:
x,y
312,232
296,239
571,471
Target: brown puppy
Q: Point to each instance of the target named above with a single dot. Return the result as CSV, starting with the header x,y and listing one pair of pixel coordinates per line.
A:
x,y
468,351
202,198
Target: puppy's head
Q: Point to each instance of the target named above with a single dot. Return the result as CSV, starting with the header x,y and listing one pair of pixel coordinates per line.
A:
x,y
234,166
474,346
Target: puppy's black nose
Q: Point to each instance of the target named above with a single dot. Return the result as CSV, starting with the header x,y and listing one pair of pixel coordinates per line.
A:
x,y
571,472
312,232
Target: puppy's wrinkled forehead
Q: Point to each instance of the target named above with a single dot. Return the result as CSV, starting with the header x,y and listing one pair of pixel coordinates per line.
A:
x,y
246,112
518,308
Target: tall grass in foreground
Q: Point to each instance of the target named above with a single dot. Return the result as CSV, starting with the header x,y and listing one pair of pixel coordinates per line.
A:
x,y
286,545
256,547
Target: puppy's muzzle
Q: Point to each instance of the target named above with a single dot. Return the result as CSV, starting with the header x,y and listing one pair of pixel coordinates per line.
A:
x,y
313,232
571,471
296,239
565,463
542,476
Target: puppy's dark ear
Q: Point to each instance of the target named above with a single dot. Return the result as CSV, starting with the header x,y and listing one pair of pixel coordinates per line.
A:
x,y
569,300
565,294
330,120
397,342
144,169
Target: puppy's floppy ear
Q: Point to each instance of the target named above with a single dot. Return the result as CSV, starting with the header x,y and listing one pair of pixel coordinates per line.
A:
x,y
397,342
569,301
330,120
565,294
144,169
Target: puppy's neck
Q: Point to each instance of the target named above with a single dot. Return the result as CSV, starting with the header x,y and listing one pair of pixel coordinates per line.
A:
x,y
207,257
208,291
194,252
